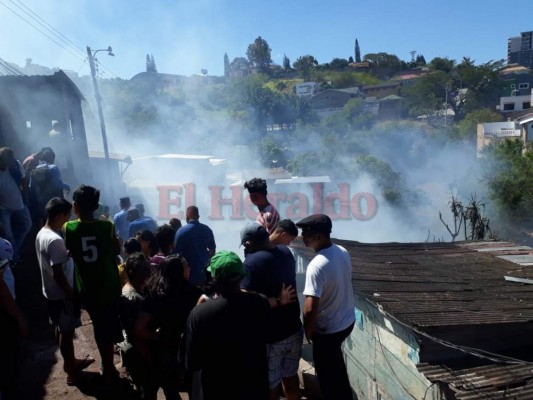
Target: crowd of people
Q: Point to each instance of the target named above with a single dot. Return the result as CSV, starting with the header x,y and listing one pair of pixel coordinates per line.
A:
x,y
183,316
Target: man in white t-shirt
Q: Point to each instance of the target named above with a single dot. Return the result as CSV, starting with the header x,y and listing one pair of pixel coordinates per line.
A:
x,y
329,306
57,273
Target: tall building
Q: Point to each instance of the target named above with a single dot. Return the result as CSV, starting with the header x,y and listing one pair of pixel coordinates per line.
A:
x,y
520,49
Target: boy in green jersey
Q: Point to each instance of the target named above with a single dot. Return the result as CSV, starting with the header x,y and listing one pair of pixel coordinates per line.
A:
x,y
94,247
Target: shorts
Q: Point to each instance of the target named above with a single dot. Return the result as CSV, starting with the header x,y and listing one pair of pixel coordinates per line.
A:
x,y
284,358
64,314
106,323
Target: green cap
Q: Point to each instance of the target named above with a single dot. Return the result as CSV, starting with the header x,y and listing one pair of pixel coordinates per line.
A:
x,y
226,266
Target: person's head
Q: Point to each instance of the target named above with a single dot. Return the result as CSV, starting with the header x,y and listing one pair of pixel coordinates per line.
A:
x,y
124,203
316,230
6,157
284,233
165,238
85,199
48,155
133,214
148,242
226,269
105,211
137,269
171,275
39,154
56,126
175,223
257,188
192,214
131,246
254,237
57,211
141,209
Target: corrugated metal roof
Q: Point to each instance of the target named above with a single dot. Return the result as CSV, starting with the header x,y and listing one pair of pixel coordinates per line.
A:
x,y
484,382
444,284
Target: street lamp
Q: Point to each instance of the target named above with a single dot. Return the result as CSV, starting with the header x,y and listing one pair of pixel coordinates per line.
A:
x,y
92,58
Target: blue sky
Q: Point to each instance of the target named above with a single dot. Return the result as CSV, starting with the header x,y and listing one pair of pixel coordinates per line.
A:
x,y
185,36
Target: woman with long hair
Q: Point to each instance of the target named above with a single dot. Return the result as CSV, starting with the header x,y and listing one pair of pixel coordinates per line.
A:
x,y
162,319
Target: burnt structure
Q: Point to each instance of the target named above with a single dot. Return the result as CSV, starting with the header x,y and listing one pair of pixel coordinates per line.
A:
x,y
28,107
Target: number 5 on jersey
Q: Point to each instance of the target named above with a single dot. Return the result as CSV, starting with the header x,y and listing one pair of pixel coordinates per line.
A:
x,y
90,251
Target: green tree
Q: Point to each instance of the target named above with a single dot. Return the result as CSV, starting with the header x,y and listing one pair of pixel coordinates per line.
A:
x,y
420,60
357,52
239,63
304,65
226,65
507,173
467,128
259,54
384,64
338,63
427,95
442,64
286,64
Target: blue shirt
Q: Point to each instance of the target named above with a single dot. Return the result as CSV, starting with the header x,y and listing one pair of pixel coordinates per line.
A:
x,y
141,224
195,241
266,272
122,225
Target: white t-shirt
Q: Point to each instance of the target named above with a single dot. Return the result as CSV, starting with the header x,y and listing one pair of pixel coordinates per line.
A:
x,y
51,251
329,277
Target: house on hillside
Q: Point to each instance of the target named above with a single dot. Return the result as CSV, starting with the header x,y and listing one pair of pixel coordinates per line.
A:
x,y
440,321
519,126
333,100
156,79
516,102
307,89
381,90
410,76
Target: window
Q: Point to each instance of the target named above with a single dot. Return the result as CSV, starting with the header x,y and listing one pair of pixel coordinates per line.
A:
x,y
523,85
513,86
508,107
526,105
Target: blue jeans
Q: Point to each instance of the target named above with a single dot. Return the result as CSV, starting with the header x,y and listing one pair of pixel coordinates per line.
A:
x,y
16,225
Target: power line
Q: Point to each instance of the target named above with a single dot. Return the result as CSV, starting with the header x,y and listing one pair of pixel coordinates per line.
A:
x,y
61,41
36,28
34,16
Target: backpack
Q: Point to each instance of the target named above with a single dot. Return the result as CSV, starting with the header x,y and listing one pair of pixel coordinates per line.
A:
x,y
42,184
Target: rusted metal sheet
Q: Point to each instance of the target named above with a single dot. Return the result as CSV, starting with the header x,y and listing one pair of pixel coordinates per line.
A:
x,y
438,284
493,381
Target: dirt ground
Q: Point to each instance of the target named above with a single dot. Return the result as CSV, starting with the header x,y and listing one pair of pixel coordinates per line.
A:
x,y
41,375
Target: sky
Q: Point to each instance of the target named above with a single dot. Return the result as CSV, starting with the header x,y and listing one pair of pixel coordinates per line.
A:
x,y
187,36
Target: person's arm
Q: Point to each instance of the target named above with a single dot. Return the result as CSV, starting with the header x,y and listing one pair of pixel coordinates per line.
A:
x,y
7,303
115,240
310,313
212,245
58,256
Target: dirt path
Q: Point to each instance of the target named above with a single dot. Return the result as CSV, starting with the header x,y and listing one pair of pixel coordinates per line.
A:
x,y
41,375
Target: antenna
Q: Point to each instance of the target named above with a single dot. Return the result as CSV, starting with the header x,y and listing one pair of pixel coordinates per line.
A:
x,y
412,52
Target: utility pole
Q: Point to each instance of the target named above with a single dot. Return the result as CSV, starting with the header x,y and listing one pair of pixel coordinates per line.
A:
x,y
99,103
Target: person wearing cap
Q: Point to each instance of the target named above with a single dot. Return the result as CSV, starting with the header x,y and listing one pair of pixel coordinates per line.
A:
x,y
225,340
196,242
14,326
268,215
329,306
269,268
122,225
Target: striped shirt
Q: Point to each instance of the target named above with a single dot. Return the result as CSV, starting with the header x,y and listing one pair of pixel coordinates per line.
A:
x,y
269,218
